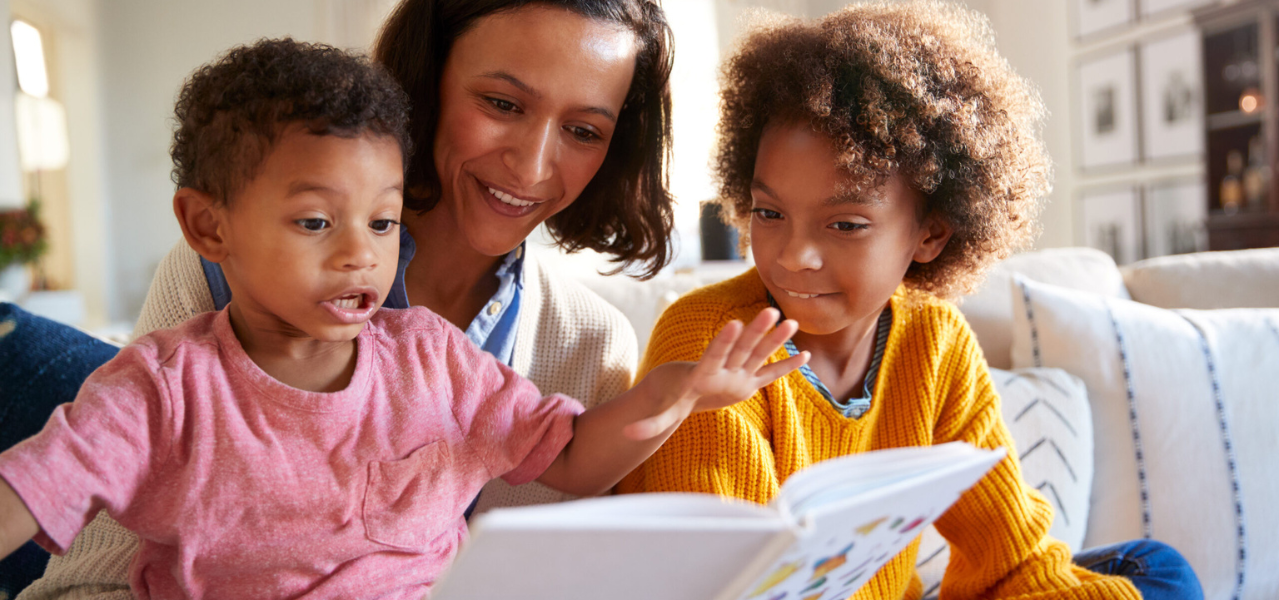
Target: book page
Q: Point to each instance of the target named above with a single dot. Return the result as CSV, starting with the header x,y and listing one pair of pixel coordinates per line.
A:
x,y
847,537
635,547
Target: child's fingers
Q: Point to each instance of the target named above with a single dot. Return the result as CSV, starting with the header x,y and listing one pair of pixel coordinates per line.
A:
x,y
771,373
770,344
746,343
717,352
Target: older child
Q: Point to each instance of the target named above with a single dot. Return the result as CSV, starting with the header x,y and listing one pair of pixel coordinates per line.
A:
x,y
301,443
877,161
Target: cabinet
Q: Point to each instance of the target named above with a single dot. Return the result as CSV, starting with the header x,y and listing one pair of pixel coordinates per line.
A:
x,y
1241,102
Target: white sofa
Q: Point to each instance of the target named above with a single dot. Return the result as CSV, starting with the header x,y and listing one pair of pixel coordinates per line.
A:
x,y
1132,419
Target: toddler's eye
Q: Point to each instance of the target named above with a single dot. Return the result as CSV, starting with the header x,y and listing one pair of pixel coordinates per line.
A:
x,y
766,214
313,224
848,226
383,225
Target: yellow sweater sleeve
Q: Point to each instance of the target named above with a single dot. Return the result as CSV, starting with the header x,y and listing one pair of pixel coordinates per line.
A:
x,y
998,530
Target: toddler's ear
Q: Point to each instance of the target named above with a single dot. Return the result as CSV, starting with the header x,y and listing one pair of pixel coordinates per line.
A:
x,y
933,237
201,219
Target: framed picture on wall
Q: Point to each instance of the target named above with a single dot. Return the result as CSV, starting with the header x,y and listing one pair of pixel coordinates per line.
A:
x,y
1151,8
1174,217
1111,222
1096,16
1172,97
1106,98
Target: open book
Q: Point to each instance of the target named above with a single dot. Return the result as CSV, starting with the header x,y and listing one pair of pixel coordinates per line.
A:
x,y
831,527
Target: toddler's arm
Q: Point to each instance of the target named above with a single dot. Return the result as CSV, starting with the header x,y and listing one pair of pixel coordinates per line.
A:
x,y
615,437
17,525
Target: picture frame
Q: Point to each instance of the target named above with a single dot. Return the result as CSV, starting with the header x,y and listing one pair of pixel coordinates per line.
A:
x,y
1154,8
1097,16
1111,222
1107,118
1174,217
1172,97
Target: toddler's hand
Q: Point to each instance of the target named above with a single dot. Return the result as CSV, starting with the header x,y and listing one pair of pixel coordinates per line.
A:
x,y
731,370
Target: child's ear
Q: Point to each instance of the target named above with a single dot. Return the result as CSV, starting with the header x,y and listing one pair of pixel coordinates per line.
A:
x,y
934,235
201,219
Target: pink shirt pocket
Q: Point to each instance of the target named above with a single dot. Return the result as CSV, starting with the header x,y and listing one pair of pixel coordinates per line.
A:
x,y
410,502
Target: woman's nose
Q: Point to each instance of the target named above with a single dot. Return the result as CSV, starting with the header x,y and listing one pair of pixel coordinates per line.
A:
x,y
531,158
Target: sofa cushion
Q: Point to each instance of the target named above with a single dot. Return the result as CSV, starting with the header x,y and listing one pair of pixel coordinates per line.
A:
x,y
1184,421
1047,413
1207,280
990,309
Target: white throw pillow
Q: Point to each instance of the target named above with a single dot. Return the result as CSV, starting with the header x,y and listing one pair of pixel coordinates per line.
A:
x,y
1047,412
1201,280
1185,420
990,310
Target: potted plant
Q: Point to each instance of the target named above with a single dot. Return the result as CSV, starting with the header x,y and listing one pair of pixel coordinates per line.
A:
x,y
22,242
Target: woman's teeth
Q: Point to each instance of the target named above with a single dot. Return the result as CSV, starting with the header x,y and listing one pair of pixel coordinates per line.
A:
x,y
349,302
509,199
798,295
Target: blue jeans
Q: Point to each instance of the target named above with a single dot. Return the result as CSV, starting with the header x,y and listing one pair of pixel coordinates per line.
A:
x,y
42,364
1158,570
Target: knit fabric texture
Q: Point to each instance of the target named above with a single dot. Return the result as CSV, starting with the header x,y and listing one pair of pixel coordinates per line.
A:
x,y
568,341
933,387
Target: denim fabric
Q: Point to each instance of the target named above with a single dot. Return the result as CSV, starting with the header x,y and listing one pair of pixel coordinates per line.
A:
x,y
1158,570
42,364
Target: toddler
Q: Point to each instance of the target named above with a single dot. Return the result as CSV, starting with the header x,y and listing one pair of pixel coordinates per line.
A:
x,y
300,442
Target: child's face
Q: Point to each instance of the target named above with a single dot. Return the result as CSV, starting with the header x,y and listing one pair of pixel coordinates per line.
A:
x,y
831,259
312,242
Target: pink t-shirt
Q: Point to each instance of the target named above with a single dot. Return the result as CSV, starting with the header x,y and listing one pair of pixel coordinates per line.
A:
x,y
243,487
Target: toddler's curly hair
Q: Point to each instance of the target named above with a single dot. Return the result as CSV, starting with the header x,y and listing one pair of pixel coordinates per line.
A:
x,y
231,111
914,89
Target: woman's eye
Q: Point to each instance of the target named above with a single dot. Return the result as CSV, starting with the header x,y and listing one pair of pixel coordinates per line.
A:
x,y
848,226
766,214
583,134
502,105
383,225
313,224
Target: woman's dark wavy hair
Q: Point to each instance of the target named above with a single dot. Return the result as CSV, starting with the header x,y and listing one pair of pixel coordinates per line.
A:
x,y
914,89
626,208
232,110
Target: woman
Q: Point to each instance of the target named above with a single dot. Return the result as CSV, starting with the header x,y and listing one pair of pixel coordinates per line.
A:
x,y
525,112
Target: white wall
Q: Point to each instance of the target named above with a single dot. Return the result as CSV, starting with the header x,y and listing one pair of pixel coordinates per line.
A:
x,y
148,47
10,176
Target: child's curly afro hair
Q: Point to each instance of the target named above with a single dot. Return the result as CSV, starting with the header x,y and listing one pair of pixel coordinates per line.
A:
x,y
232,110
914,89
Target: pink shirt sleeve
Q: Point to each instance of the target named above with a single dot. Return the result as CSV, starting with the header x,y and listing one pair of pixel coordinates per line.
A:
x,y
94,453
504,419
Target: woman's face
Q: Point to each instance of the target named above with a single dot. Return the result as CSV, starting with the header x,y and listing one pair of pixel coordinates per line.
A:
x,y
529,100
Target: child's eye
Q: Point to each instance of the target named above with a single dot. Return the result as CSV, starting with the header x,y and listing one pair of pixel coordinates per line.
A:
x,y
766,214
848,226
383,225
313,224
502,105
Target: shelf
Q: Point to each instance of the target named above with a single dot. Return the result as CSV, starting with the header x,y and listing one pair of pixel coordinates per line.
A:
x,y
1234,118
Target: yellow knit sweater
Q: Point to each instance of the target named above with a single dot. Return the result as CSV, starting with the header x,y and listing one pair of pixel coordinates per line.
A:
x,y
933,387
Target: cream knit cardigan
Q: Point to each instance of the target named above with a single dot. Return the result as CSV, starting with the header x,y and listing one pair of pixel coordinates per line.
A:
x,y
567,340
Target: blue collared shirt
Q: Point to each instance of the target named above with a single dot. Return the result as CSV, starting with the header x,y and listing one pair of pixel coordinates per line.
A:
x,y
493,329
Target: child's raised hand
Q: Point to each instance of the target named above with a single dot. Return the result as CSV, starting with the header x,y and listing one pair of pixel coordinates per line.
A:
x,y
731,370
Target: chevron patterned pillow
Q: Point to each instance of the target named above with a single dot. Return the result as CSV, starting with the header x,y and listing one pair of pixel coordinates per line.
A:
x,y
1047,412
